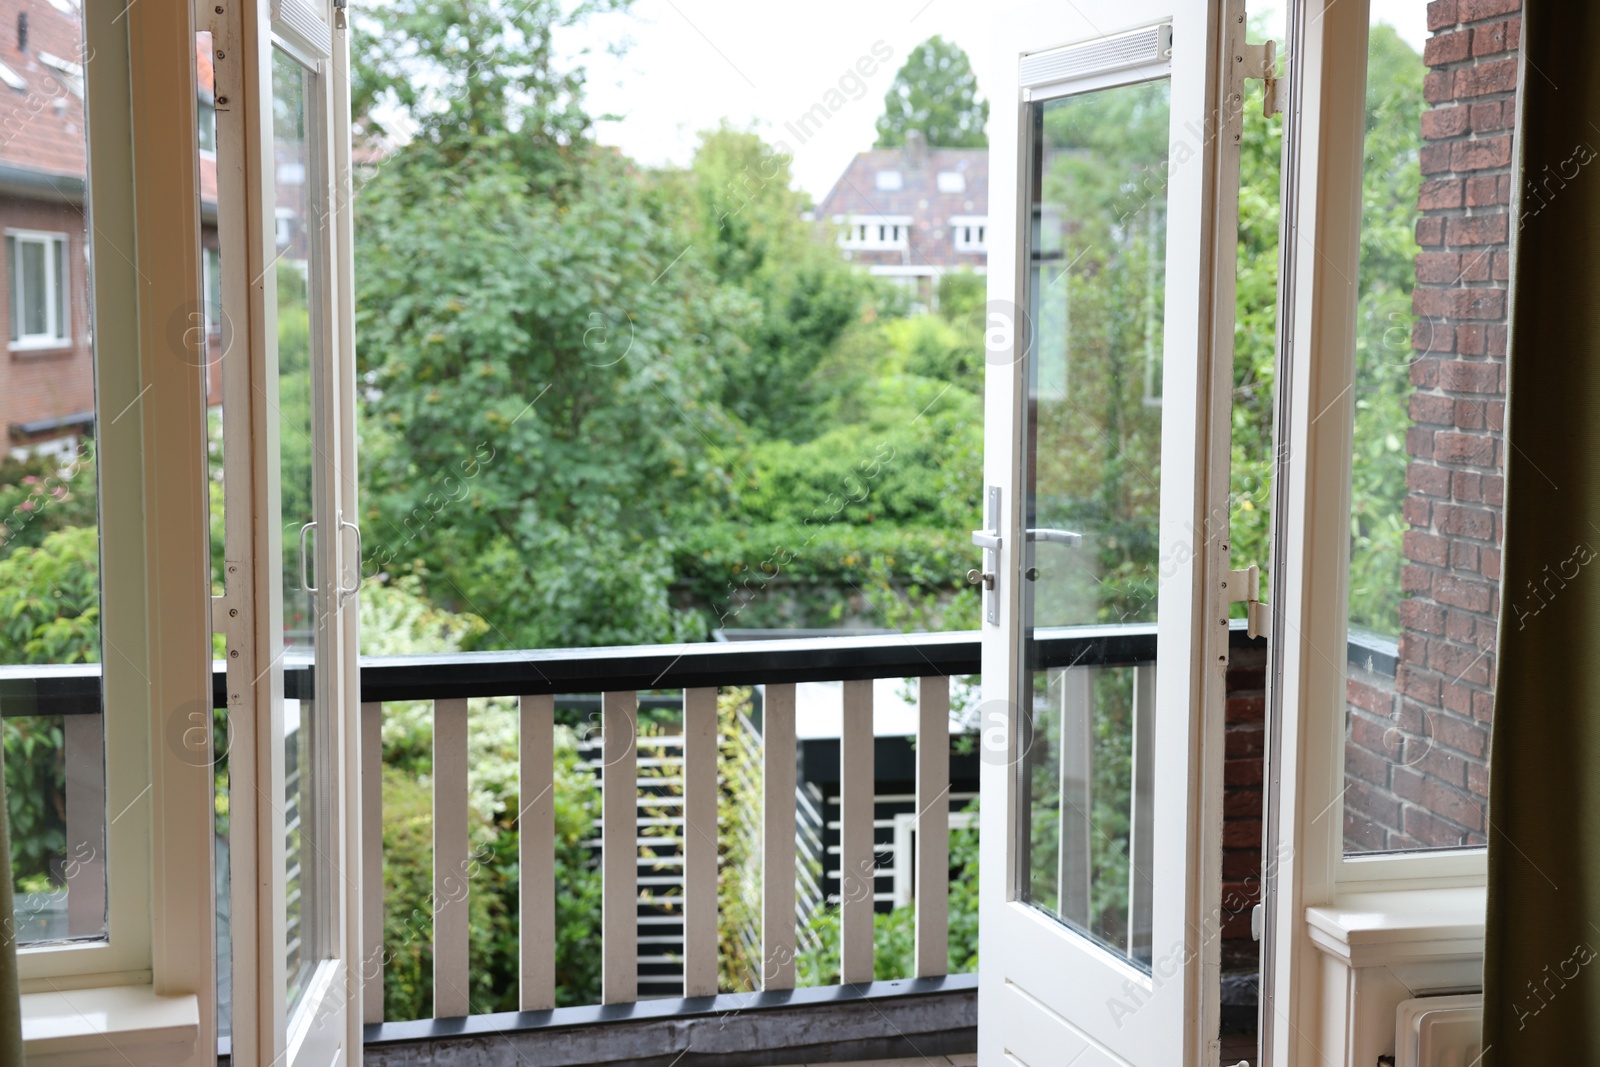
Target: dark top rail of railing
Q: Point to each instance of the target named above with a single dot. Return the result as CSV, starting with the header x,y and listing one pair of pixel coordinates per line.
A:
x,y
75,689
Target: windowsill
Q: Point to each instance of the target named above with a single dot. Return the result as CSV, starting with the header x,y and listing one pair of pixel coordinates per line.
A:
x,y
1401,927
54,346
79,1026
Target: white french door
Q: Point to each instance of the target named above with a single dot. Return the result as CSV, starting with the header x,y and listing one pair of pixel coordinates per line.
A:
x,y
288,394
1106,453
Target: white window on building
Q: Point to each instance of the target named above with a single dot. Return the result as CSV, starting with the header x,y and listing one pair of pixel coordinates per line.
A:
x,y
969,233
37,263
889,180
67,72
952,181
876,232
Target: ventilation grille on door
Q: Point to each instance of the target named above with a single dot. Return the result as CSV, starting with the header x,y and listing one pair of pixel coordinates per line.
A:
x,y
1153,44
1439,1031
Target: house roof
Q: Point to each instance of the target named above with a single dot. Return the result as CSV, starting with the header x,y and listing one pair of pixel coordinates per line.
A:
x,y
858,193
41,102
42,137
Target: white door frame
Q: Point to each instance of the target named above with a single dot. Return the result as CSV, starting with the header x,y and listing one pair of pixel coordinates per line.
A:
x,y
324,1030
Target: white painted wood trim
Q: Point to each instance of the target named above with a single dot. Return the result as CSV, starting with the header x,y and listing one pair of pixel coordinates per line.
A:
x,y
131,1024
932,893
536,853
778,772
619,851
701,791
451,860
857,861
177,608
349,567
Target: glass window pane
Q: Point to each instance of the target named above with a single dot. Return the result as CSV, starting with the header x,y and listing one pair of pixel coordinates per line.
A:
x,y
50,545
14,288
58,265
35,294
1092,501
1426,486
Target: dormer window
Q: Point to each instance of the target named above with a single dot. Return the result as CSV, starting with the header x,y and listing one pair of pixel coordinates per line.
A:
x,y
952,181
969,233
890,180
876,232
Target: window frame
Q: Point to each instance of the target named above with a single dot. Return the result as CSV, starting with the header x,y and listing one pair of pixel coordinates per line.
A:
x,y
872,225
155,623
957,224
1304,860
58,288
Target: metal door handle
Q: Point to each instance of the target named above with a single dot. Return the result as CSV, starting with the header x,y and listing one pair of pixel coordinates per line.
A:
x,y
989,539
345,524
1056,537
305,578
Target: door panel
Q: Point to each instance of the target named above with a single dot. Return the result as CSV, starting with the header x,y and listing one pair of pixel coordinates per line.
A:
x,y
1038,1037
1102,449
288,435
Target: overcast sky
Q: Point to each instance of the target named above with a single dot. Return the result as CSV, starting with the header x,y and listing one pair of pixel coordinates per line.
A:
x,y
691,63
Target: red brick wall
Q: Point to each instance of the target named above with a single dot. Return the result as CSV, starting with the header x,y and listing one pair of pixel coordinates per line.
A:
x,y
1416,758
1241,804
50,382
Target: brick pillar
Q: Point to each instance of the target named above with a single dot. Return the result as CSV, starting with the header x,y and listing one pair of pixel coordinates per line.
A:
x,y
1416,762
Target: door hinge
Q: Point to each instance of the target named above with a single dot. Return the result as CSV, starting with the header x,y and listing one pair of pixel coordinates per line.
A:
x,y
1250,62
1244,587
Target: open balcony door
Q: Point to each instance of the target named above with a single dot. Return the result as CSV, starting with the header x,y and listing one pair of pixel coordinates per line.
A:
x,y
289,471
1106,451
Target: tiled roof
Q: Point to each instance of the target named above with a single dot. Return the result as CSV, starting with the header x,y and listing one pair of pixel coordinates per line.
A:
x,y
857,194
42,122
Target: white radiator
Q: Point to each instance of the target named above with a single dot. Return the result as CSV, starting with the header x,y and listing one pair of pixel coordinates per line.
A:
x,y
1439,1031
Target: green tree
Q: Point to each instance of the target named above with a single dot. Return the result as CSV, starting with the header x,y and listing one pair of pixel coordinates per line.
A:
x,y
935,91
542,351
743,218
473,80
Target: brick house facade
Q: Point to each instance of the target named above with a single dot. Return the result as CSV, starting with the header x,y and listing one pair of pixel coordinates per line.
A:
x,y
47,388
1416,757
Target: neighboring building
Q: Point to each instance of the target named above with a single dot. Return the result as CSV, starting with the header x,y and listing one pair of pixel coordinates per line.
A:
x,y
912,213
46,378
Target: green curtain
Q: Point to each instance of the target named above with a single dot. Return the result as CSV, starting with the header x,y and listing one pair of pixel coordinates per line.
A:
x,y
1542,954
10,994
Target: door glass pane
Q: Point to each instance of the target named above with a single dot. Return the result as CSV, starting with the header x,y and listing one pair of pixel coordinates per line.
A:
x,y
1091,474
305,586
